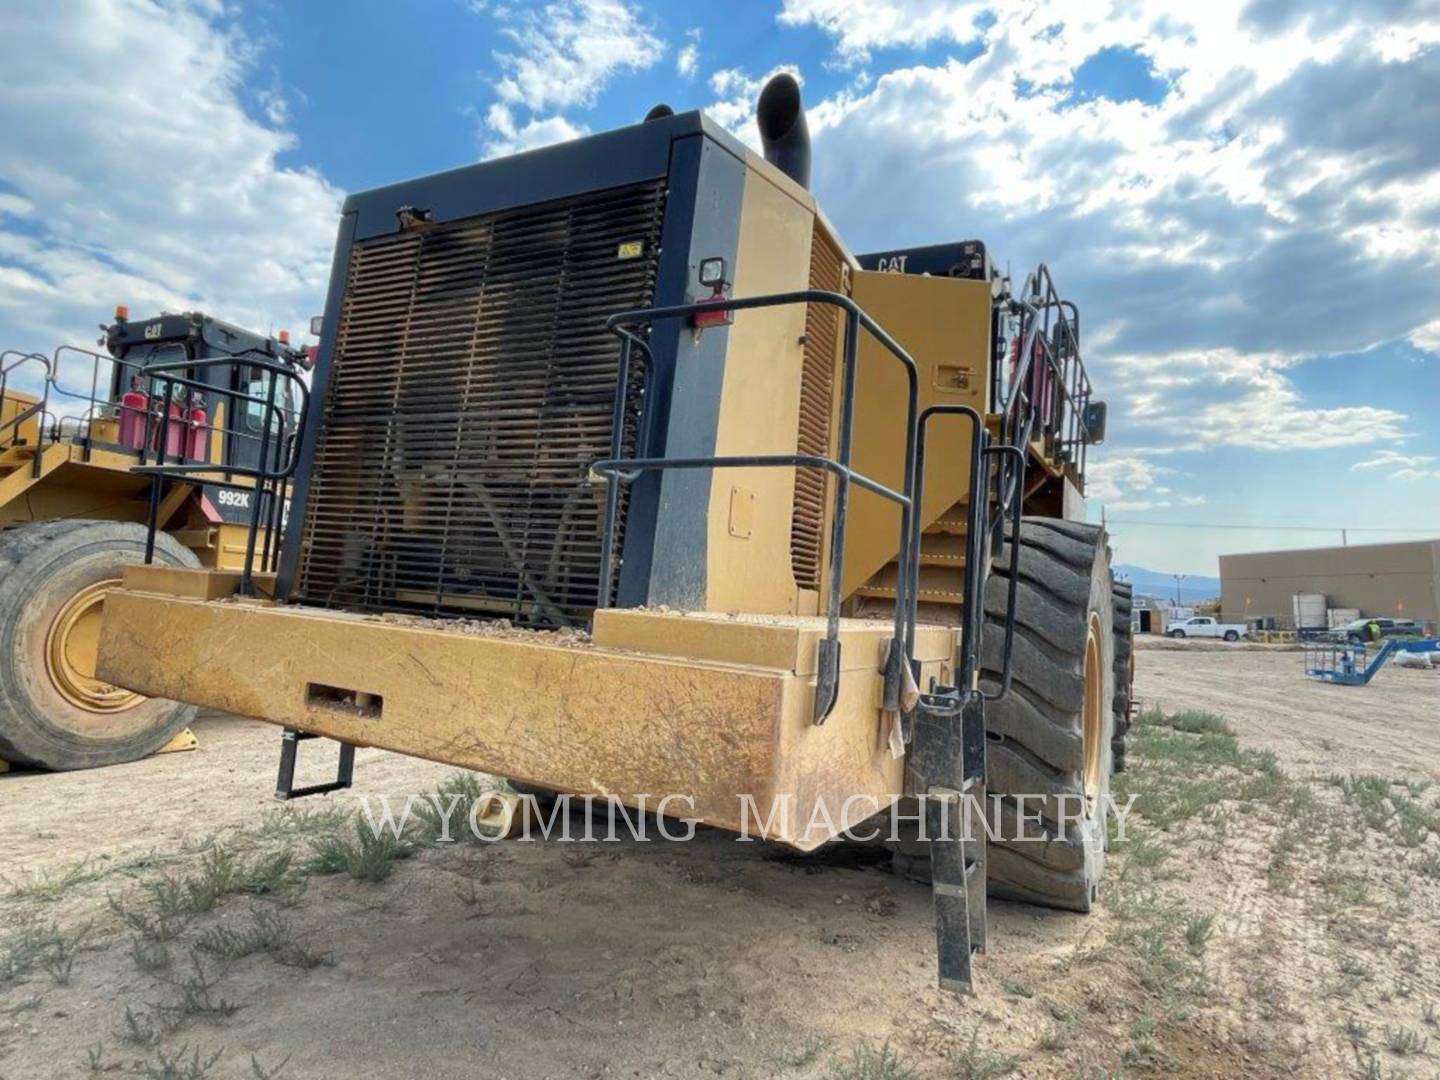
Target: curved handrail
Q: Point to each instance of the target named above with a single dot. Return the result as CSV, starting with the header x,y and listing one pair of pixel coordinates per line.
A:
x,y
33,409
624,323
162,373
264,476
1049,343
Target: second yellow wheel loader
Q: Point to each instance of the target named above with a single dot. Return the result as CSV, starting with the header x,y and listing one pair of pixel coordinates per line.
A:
x,y
626,478
72,514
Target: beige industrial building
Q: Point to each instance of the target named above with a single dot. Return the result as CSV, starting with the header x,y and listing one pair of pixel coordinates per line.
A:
x,y
1398,580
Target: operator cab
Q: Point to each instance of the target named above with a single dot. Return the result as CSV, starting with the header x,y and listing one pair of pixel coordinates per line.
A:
x,y
170,338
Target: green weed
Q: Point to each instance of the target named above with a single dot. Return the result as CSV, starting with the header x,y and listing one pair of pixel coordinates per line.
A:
x,y
369,857
40,945
179,1067
446,813
806,1053
973,1063
195,998
47,886
868,1063
1403,1041
269,933
1198,929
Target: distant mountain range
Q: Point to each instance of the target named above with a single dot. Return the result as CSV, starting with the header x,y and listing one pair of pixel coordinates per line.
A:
x,y
1156,583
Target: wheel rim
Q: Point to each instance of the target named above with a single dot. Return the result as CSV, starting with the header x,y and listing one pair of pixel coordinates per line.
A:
x,y
71,651
1092,720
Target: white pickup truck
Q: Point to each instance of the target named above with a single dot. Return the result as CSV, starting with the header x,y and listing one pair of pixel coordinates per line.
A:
x,y
1205,626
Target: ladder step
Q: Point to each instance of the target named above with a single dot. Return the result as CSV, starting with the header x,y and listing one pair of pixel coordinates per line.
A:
x,y
931,558
952,526
285,788
940,581
934,596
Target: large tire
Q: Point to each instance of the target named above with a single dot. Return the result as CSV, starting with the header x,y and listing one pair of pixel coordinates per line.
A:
x,y
1050,736
1124,602
53,713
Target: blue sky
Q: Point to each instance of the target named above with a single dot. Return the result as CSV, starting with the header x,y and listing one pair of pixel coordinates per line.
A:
x,y
1242,195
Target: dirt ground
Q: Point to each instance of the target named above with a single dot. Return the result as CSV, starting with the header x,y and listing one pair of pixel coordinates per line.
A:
x,y
1391,726
1263,917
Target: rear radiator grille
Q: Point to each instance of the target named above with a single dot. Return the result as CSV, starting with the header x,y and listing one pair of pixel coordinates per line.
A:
x,y
817,400
472,383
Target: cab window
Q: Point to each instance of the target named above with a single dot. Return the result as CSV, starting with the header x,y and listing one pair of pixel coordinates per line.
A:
x,y
255,383
139,358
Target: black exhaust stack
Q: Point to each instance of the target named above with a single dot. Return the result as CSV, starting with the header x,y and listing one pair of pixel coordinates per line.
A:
x,y
783,131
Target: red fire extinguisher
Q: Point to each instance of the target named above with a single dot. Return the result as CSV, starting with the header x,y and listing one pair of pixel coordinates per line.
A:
x,y
173,428
198,428
133,406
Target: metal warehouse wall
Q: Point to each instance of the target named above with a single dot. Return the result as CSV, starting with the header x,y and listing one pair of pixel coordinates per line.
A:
x,y
1379,579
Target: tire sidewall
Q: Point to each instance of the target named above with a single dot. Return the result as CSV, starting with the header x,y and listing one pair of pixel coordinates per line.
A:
x,y
41,725
1065,596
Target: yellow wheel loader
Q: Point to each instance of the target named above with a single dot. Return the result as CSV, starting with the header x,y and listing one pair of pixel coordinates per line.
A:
x,y
627,478
73,424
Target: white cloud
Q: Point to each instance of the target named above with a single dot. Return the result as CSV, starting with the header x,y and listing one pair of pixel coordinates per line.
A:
x,y
15,205
563,55
1129,481
146,181
570,49
512,138
1400,466
1427,337
687,60
1221,397
1280,199
859,26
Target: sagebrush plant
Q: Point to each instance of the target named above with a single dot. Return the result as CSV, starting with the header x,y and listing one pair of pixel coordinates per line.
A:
x,y
49,886
807,1052
194,998
36,944
369,856
269,932
149,956
292,821
179,1067
455,796
975,1063
867,1062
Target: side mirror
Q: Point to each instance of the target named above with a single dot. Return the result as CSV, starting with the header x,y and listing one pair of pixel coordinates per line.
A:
x,y
317,323
1094,418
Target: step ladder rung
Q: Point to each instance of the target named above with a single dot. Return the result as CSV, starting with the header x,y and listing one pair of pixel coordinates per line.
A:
x,y
285,788
936,596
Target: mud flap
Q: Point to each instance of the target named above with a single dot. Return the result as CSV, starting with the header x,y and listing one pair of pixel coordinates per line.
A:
x,y
947,766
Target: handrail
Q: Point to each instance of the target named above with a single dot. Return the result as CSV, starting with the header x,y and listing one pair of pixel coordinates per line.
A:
x,y
966,666
264,476
1051,330
828,651
977,556
35,408
1049,388
161,372
100,401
